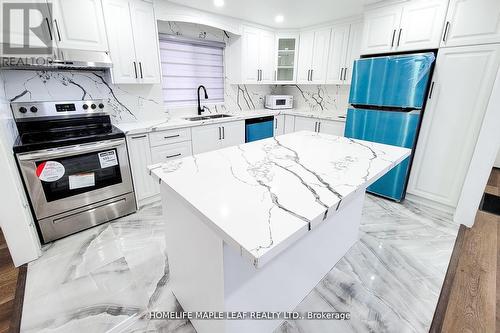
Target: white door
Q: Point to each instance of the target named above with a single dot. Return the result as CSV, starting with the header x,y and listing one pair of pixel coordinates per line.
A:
x,y
279,125
121,41
266,57
379,31
463,82
353,49
79,25
337,56
422,25
320,56
332,127
286,49
306,45
140,157
306,124
472,22
233,133
146,42
289,124
206,138
250,62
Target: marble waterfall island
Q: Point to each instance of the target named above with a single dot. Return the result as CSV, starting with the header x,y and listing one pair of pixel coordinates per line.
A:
x,y
255,227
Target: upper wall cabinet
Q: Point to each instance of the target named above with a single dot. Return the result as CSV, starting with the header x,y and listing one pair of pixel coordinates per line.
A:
x,y
286,49
79,24
133,41
345,43
470,22
414,25
313,56
250,58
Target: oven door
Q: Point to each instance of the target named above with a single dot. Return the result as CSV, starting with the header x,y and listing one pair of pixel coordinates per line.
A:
x,y
71,177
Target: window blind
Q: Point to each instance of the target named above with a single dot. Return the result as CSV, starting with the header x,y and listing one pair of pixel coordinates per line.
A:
x,y
186,65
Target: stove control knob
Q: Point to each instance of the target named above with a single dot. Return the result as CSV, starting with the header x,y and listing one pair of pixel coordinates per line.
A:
x,y
33,109
22,109
101,106
93,106
85,106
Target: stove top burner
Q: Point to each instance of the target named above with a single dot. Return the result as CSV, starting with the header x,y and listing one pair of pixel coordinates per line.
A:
x,y
55,128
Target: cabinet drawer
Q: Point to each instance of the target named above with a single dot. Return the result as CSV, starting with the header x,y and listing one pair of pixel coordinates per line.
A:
x,y
171,152
167,137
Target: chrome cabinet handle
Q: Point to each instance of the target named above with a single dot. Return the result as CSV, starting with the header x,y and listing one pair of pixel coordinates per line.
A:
x,y
431,90
138,137
319,126
220,134
135,69
140,68
399,36
446,28
393,36
345,74
315,126
171,136
341,73
223,133
275,123
48,26
57,28
174,155
312,73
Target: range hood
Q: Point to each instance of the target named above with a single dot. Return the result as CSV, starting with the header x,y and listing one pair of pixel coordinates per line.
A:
x,y
64,59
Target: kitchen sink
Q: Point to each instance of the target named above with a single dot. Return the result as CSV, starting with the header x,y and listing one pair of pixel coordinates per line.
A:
x,y
214,116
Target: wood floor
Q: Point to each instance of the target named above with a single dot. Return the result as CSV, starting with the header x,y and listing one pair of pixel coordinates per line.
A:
x,y
12,280
470,297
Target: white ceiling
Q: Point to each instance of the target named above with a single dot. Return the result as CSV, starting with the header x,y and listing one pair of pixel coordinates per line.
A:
x,y
297,13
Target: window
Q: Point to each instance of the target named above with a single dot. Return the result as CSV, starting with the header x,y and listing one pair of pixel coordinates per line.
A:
x,y
187,64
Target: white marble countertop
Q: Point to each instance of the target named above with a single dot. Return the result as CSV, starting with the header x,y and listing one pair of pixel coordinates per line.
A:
x,y
261,197
178,122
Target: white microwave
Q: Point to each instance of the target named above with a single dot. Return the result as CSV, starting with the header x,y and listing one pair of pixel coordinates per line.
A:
x,y
277,102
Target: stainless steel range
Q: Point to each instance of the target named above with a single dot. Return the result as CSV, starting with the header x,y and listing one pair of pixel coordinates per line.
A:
x,y
74,165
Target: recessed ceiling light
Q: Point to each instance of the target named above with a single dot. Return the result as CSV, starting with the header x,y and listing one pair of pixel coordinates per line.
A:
x,y
279,18
219,3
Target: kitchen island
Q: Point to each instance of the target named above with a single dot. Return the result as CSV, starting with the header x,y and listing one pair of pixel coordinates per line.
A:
x,y
255,227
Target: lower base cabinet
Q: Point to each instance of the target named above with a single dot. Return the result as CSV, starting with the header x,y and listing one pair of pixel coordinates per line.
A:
x,y
319,125
217,136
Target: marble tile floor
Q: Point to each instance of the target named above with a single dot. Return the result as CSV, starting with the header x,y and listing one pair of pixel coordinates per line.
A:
x,y
107,278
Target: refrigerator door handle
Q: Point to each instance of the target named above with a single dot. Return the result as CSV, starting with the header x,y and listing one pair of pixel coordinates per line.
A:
x,y
431,90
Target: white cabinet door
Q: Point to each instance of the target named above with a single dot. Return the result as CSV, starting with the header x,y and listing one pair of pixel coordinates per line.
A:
x,y
463,82
250,56
206,138
338,52
320,56
422,25
332,127
233,133
306,124
286,54
289,124
306,45
146,42
140,158
353,49
121,46
279,125
471,22
379,31
79,24
266,57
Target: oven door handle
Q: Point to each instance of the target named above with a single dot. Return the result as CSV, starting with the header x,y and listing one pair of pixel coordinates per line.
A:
x,y
70,150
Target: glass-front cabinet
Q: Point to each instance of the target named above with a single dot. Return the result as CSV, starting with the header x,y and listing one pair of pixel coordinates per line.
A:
x,y
286,58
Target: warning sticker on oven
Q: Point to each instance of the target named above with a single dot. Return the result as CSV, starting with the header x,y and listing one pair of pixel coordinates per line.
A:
x,y
108,158
81,180
50,171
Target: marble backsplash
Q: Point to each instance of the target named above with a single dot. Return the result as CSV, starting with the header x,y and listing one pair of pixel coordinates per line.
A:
x,y
319,98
